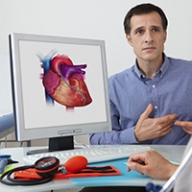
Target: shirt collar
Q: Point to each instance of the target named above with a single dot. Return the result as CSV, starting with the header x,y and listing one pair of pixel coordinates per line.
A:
x,y
162,70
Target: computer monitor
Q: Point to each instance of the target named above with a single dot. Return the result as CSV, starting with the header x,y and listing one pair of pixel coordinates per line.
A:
x,y
59,87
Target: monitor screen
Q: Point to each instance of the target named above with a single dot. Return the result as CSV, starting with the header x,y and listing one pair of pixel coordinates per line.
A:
x,y
59,87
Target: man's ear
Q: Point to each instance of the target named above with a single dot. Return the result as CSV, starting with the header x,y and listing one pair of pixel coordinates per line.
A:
x,y
165,36
128,37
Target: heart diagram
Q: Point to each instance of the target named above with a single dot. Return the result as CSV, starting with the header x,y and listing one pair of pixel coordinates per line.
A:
x,y
63,81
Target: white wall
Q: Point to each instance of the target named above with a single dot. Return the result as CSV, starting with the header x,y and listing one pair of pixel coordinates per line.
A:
x,y
95,19
98,19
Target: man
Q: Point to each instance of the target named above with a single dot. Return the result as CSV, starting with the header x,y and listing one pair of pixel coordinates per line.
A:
x,y
150,102
147,98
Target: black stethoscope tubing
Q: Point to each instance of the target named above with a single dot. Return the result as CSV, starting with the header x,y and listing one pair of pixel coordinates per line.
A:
x,y
9,180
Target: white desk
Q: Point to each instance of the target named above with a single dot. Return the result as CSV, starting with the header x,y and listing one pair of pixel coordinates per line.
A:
x,y
173,153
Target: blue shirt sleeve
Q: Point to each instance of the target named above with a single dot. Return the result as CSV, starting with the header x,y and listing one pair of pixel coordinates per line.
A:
x,y
118,135
114,137
6,122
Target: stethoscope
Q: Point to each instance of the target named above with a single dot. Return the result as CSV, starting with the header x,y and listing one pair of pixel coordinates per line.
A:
x,y
46,167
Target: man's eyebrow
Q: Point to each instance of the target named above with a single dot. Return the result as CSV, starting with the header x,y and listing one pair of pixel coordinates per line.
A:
x,y
138,28
156,26
152,26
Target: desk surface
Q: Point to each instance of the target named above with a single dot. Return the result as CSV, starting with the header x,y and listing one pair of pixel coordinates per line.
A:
x,y
173,153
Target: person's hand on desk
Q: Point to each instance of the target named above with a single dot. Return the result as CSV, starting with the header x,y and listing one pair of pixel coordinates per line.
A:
x,y
151,128
186,125
152,164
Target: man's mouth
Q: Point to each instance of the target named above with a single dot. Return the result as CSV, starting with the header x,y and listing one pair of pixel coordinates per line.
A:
x,y
149,48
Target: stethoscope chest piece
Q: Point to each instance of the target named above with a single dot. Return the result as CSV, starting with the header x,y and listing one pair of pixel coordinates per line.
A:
x,y
47,166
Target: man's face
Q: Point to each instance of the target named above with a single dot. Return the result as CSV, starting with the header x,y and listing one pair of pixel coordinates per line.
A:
x,y
147,36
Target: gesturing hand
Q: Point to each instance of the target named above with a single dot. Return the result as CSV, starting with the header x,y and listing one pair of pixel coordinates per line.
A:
x,y
186,125
151,128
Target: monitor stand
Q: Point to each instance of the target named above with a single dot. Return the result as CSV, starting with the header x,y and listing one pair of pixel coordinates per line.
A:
x,y
56,144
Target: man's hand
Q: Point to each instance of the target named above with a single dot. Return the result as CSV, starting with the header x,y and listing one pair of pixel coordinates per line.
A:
x,y
151,128
186,125
152,164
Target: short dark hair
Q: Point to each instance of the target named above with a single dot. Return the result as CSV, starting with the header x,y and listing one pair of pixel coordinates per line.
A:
x,y
144,9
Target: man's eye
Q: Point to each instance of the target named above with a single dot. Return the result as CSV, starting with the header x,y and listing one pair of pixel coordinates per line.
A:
x,y
139,31
155,29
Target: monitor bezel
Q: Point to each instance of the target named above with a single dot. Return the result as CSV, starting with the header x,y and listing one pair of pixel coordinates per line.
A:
x,y
21,133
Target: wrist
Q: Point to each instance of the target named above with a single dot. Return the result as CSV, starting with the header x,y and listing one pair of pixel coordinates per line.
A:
x,y
136,134
171,169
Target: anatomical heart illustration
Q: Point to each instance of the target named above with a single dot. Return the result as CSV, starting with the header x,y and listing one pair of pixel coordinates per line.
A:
x,y
64,81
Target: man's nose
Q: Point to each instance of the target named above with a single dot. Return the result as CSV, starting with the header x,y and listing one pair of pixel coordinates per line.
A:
x,y
148,37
